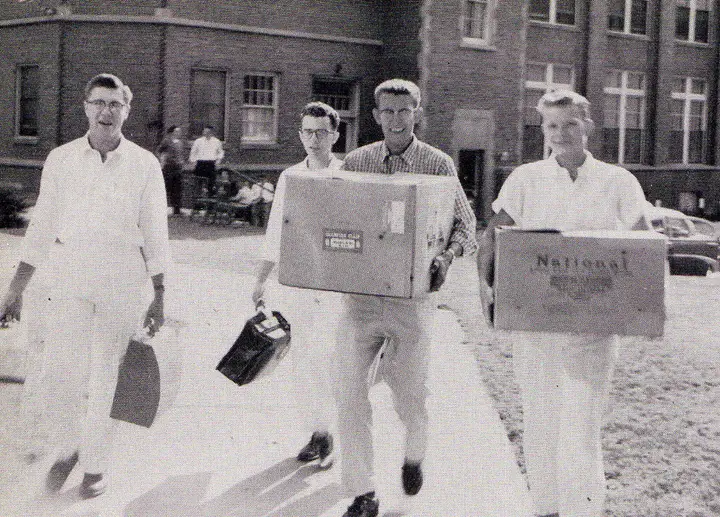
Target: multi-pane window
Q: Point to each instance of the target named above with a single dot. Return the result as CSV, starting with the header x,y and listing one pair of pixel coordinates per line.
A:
x,y
540,79
689,120
553,11
476,20
207,101
341,95
692,20
260,108
624,116
27,88
628,16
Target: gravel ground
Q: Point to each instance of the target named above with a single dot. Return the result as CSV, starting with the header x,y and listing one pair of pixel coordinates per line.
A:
x,y
662,434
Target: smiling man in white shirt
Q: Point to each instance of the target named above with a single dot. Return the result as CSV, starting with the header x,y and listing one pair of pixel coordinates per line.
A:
x,y
564,378
98,231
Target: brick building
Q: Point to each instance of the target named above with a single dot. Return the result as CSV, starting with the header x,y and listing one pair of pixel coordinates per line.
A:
x,y
650,68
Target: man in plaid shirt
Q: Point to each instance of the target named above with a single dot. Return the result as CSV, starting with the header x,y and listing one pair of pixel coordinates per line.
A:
x,y
374,327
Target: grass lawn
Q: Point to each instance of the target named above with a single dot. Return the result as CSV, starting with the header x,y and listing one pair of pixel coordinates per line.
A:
x,y
662,435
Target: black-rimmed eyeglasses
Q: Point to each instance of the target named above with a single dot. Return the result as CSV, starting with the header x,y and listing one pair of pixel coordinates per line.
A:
x,y
320,133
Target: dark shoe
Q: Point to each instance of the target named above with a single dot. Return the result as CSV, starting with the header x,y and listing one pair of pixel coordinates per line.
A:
x,y
319,447
412,478
364,506
93,485
59,472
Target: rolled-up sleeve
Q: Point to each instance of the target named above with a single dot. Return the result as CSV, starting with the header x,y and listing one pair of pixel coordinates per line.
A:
x,y
42,230
511,198
632,204
153,221
270,250
464,226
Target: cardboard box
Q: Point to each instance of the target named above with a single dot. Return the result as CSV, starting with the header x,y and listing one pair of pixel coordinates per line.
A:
x,y
605,282
364,233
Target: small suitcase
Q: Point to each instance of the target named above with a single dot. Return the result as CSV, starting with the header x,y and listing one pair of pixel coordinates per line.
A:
x,y
137,394
263,342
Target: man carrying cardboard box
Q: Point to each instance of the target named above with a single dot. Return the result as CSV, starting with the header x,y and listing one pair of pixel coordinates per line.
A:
x,y
318,133
396,330
564,378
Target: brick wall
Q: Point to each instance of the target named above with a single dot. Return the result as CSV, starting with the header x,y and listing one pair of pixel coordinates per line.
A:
x,y
29,44
354,18
295,60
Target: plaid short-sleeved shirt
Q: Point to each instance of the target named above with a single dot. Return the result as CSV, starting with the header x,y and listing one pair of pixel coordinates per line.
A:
x,y
419,158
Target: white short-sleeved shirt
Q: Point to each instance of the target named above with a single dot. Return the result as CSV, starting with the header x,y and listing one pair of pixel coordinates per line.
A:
x,y
270,250
542,195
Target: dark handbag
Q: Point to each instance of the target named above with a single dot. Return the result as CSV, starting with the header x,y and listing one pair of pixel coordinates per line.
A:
x,y
137,394
263,342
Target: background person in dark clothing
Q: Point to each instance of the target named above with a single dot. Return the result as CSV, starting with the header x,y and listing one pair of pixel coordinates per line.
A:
x,y
171,154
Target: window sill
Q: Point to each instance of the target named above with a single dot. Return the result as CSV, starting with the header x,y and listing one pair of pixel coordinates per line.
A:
x,y
264,145
627,35
548,25
696,44
26,140
477,44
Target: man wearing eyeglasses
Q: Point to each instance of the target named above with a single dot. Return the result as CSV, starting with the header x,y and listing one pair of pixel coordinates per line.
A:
x,y
369,323
318,133
99,229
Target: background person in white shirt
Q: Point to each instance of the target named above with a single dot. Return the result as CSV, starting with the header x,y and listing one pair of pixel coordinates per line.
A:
x,y
99,230
206,154
311,336
564,378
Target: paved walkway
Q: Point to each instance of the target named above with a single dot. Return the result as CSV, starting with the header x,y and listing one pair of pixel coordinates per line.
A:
x,y
225,451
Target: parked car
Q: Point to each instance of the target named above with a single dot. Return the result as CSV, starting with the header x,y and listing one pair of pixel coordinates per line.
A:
x,y
690,251
706,227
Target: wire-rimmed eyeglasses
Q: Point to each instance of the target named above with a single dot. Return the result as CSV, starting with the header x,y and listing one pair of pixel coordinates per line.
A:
x,y
100,104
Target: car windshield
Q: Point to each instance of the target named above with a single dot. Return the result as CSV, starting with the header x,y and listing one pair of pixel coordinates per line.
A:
x,y
704,227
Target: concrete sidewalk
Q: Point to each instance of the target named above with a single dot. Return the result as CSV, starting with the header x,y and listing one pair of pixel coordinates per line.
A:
x,y
222,450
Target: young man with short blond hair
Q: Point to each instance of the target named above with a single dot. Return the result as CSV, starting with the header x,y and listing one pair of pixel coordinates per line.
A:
x,y
564,378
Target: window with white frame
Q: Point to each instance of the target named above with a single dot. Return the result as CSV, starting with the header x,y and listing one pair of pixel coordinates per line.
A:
x,y
343,96
689,120
477,21
628,16
553,11
260,108
692,20
27,95
540,79
624,115
207,101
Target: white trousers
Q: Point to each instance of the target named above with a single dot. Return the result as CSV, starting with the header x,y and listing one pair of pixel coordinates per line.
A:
x,y
312,317
365,323
92,307
565,382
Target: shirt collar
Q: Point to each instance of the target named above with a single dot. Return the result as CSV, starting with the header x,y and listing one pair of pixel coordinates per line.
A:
x,y
333,159
583,171
120,149
407,155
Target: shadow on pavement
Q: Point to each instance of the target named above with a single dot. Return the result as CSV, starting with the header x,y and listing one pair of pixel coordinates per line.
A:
x,y
256,496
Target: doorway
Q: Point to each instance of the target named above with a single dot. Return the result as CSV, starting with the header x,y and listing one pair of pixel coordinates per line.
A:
x,y
471,164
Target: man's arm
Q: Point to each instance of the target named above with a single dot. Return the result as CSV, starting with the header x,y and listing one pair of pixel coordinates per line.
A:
x,y
486,262
11,306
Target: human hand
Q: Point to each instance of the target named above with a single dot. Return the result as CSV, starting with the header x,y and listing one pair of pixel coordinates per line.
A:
x,y
438,270
487,300
10,308
258,293
155,317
